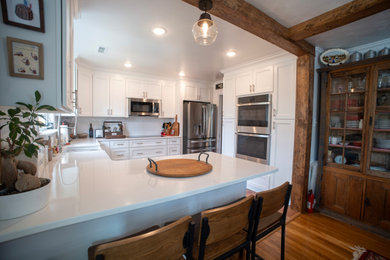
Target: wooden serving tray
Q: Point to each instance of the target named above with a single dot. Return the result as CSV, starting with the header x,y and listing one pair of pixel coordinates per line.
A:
x,y
179,168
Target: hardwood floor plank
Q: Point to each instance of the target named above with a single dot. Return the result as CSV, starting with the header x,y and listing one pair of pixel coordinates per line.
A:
x,y
316,236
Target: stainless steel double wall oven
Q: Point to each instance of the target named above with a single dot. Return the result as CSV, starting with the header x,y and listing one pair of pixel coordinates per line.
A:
x,y
254,127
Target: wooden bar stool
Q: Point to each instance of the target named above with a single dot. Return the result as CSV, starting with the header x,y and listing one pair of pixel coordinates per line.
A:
x,y
270,217
169,242
226,230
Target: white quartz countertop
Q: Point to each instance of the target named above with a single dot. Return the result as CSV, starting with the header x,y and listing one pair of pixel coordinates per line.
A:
x,y
88,185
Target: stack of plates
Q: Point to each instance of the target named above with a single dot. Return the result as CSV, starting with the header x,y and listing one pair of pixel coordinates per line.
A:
x,y
382,124
352,124
383,143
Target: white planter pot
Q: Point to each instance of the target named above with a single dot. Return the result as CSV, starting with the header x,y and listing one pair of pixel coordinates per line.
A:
x,y
21,204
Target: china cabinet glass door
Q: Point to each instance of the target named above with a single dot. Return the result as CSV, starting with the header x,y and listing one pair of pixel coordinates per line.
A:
x,y
379,159
347,97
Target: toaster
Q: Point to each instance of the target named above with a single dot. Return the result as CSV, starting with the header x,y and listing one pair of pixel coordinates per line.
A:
x,y
99,133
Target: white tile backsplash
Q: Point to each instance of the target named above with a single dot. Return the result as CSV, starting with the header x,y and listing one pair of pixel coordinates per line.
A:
x,y
132,126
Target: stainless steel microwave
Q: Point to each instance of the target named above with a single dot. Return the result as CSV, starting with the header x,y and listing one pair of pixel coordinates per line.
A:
x,y
144,107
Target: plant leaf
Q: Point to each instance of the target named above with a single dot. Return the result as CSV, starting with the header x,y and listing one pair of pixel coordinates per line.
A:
x,y
48,107
28,106
26,114
2,113
34,131
13,112
37,96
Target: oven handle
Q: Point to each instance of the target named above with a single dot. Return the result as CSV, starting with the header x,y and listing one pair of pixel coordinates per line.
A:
x,y
253,104
254,135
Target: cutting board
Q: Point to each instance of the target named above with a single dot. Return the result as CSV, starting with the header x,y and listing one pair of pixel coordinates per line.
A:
x,y
180,168
175,127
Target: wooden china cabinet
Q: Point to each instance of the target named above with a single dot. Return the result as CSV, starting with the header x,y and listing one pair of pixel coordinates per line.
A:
x,y
354,152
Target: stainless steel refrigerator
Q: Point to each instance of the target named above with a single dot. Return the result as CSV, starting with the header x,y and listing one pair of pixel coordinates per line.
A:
x,y
199,127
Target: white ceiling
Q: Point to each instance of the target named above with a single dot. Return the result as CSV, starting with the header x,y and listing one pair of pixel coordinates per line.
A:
x,y
124,27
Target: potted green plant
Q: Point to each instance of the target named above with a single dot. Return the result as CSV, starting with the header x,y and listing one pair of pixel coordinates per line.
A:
x,y
18,176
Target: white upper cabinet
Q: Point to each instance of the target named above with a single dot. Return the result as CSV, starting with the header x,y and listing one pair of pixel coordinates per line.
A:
x,y
283,99
143,89
190,93
117,97
134,88
263,79
168,101
108,96
255,80
229,99
84,92
204,94
244,83
196,93
152,90
101,95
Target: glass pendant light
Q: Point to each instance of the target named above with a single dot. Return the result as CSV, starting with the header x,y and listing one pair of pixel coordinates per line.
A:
x,y
205,30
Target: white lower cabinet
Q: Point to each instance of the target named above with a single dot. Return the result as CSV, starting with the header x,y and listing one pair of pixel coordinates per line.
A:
x,y
282,150
120,154
228,137
126,149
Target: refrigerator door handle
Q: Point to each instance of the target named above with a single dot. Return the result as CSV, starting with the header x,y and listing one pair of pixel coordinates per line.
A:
x,y
203,120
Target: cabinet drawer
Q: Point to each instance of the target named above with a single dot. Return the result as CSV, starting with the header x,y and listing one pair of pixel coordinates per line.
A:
x,y
119,144
174,150
139,153
161,151
142,143
120,154
174,141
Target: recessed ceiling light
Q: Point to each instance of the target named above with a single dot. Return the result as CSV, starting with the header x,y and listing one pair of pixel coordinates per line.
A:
x,y
231,53
127,65
182,74
159,31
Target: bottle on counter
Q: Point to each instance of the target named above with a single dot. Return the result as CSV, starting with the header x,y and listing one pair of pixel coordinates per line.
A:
x,y
90,130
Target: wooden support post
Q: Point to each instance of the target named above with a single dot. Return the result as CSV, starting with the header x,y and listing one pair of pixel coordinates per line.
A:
x,y
303,126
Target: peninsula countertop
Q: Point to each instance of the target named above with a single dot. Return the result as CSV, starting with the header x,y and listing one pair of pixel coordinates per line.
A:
x,y
88,185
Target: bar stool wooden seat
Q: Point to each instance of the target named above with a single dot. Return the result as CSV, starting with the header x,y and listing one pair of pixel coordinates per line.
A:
x,y
168,242
269,204
226,230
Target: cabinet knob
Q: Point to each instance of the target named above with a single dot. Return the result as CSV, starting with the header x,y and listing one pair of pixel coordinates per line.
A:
x,y
274,111
80,110
366,202
273,125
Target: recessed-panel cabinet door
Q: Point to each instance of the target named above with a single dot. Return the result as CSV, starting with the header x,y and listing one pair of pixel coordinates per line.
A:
x,y
228,137
282,150
101,95
190,93
152,90
84,92
244,83
134,89
377,204
204,94
263,79
283,100
168,101
229,99
342,193
117,97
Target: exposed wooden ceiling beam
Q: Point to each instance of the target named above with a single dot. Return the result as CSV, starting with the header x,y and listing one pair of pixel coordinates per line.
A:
x,y
251,19
337,17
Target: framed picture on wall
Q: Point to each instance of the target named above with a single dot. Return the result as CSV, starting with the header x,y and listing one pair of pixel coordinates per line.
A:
x,y
25,58
219,86
27,14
